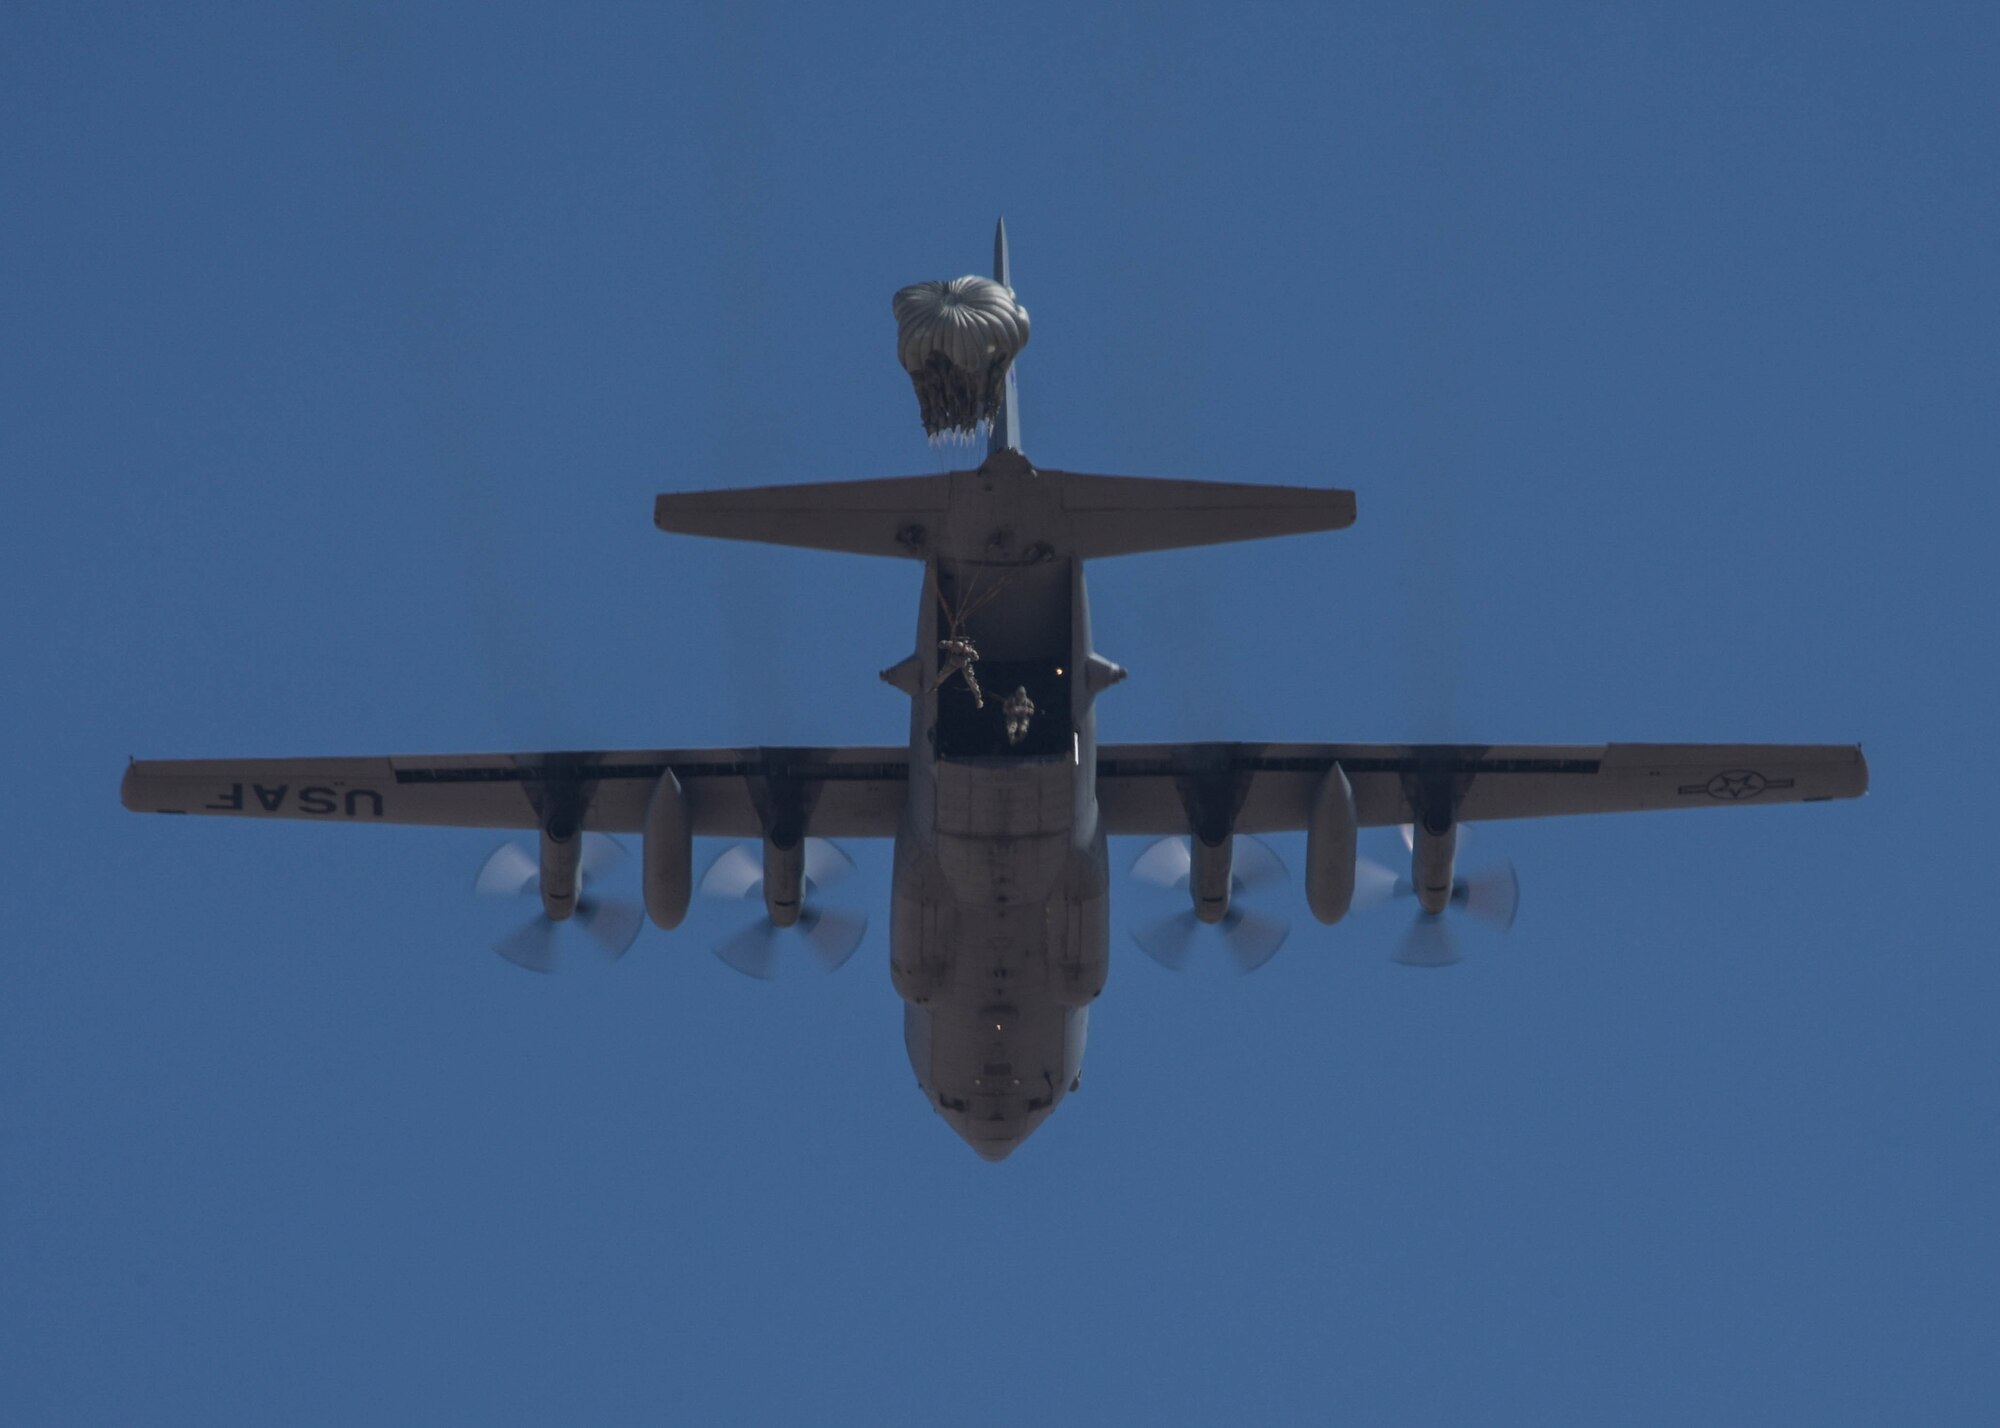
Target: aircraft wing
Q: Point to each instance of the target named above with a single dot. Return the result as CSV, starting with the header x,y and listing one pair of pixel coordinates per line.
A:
x,y
842,793
1158,788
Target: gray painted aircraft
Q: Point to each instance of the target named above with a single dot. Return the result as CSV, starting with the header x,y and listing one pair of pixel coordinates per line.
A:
x,y
1002,798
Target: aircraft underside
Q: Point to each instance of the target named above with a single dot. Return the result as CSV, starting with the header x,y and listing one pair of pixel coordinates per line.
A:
x,y
1000,935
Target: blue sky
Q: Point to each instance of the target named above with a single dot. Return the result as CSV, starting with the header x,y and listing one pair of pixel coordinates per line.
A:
x,y
345,350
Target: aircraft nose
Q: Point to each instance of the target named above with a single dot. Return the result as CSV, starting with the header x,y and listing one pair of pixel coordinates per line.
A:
x,y
995,1138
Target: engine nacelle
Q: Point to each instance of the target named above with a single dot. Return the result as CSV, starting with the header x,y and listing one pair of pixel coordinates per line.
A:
x,y
668,874
1209,868
562,860
1433,854
1332,832
784,880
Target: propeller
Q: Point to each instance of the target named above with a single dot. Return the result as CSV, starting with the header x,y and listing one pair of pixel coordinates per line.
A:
x,y
1491,896
1251,938
612,923
830,934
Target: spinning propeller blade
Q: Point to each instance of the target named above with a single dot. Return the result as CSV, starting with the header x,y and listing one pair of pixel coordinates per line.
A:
x,y
1249,937
753,951
612,923
509,869
1253,866
1168,940
832,934
829,933
826,863
533,947
1492,896
1428,943
1164,864
736,872
1374,884
1253,938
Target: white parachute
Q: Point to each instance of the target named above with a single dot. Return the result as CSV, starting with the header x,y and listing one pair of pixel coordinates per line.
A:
x,y
955,340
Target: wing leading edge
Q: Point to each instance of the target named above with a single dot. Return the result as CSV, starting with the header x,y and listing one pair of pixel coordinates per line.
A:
x,y
1269,788
730,793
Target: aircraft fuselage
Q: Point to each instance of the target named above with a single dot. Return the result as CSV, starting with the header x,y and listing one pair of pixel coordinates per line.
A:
x,y
1000,925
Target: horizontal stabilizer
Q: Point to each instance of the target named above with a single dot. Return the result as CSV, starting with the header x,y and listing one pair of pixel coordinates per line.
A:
x,y
891,516
1005,505
1126,515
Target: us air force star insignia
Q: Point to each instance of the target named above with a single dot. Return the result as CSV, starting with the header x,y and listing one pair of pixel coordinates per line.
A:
x,y
1732,785
1736,783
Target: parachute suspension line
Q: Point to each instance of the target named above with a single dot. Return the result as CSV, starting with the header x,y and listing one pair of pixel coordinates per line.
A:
x,y
950,438
957,654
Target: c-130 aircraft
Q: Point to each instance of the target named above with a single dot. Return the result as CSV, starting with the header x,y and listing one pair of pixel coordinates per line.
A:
x,y
1002,799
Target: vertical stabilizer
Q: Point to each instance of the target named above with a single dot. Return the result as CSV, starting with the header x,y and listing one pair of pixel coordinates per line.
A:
x,y
1006,432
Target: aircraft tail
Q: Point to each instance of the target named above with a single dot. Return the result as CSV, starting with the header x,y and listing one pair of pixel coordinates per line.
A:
x,y
1005,434
1007,510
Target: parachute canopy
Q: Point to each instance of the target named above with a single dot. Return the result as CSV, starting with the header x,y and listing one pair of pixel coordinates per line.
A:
x,y
955,340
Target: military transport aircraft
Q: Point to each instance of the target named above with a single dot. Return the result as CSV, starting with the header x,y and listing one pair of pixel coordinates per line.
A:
x,y
1002,798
